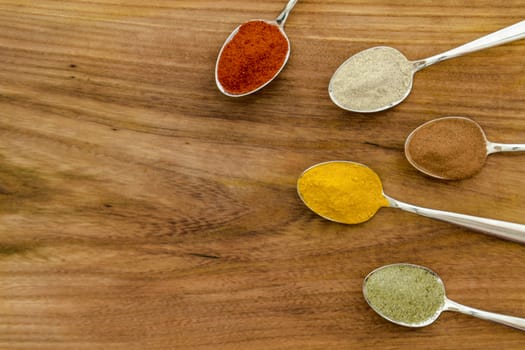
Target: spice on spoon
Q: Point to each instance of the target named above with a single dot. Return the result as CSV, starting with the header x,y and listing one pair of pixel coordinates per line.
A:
x,y
253,56
371,80
449,148
351,193
414,296
404,293
345,192
350,84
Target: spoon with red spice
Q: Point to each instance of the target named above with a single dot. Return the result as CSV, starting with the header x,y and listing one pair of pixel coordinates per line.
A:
x,y
452,148
253,55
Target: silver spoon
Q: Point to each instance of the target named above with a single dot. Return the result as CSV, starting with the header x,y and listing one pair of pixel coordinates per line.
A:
x,y
405,289
358,85
325,178
462,160
279,23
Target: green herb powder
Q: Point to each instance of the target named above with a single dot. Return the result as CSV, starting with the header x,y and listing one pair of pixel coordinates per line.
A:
x,y
404,293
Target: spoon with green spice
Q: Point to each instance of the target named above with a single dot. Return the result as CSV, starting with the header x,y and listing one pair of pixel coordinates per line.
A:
x,y
253,55
414,296
381,77
351,193
452,148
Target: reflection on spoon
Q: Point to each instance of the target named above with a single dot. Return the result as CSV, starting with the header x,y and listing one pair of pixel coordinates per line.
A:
x,y
414,296
253,55
351,193
381,77
451,148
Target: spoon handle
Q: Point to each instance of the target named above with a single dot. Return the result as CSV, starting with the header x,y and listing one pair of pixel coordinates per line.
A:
x,y
283,16
502,229
511,321
493,147
502,36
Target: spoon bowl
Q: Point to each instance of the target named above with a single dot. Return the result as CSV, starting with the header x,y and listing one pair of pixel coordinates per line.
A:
x,y
414,296
227,82
405,294
351,193
381,77
359,86
451,148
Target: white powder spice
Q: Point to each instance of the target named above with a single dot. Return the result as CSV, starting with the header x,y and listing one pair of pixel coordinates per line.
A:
x,y
371,80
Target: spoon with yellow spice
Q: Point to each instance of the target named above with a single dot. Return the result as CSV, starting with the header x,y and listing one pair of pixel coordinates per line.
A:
x,y
351,193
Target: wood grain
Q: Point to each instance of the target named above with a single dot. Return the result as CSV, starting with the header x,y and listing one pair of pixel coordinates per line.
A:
x,y
142,209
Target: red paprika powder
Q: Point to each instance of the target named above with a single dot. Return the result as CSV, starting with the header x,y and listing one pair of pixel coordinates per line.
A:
x,y
252,57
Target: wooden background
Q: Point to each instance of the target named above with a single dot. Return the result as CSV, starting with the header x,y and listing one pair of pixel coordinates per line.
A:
x,y
142,209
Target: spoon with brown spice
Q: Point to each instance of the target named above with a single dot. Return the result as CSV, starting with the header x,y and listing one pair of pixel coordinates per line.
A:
x,y
414,296
452,148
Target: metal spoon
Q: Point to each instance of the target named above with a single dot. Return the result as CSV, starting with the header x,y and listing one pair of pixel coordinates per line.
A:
x,y
279,22
446,304
457,144
498,228
399,88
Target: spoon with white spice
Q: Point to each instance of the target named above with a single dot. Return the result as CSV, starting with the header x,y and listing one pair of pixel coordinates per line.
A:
x,y
414,296
381,77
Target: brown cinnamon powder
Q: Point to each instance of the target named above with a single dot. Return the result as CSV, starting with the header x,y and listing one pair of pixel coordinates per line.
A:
x,y
450,148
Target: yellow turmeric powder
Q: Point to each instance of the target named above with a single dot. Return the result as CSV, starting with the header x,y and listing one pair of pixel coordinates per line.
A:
x,y
341,191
